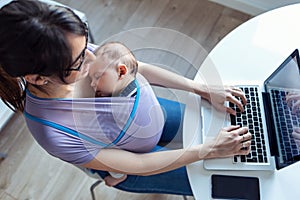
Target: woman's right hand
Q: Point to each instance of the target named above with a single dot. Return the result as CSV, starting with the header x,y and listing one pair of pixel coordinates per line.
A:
x,y
232,140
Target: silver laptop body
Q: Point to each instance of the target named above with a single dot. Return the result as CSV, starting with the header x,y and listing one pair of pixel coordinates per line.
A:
x,y
269,120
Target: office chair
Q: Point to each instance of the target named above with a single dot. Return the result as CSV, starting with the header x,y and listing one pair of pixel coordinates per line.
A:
x,y
98,181
94,185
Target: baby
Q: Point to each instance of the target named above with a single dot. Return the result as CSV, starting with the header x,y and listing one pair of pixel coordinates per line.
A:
x,y
113,74
114,71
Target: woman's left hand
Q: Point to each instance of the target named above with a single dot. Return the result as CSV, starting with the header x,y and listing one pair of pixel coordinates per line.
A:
x,y
217,95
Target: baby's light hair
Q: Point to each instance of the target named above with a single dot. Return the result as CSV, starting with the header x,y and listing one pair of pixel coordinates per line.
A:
x,y
116,53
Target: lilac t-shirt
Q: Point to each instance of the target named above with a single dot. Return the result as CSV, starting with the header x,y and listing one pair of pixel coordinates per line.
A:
x,y
101,119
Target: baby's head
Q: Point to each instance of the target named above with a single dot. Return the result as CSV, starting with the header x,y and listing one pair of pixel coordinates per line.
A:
x,y
115,66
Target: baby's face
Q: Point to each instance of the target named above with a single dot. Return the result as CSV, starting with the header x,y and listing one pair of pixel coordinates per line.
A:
x,y
104,77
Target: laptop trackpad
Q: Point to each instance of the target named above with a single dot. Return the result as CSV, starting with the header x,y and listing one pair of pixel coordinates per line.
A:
x,y
212,120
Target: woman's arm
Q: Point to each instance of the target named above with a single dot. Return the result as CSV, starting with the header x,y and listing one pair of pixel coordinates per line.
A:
x,y
216,95
227,143
161,77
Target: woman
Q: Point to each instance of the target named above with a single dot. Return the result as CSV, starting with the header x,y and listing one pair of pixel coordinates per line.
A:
x,y
44,49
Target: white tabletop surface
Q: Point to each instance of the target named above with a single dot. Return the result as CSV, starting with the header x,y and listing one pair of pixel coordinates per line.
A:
x,y
250,52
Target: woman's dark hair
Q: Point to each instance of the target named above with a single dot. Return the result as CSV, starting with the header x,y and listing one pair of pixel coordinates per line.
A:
x,y
33,41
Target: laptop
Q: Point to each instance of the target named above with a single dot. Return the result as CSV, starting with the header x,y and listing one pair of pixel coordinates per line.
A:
x,y
269,118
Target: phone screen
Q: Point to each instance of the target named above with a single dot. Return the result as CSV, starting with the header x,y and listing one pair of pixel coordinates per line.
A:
x,y
235,187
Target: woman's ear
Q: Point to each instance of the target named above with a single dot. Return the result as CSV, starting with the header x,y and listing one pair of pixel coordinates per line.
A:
x,y
36,79
122,70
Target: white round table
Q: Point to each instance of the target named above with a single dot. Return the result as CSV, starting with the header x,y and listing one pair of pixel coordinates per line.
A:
x,y
250,52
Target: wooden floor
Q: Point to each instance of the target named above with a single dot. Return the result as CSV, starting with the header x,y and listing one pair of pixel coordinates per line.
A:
x,y
181,29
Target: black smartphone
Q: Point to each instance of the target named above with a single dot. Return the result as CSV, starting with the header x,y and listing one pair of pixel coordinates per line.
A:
x,y
235,187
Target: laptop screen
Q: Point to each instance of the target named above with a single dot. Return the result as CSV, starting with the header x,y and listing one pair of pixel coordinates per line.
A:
x,y
287,74
281,86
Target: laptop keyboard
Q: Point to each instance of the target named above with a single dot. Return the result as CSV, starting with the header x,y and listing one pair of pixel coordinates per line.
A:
x,y
285,121
251,118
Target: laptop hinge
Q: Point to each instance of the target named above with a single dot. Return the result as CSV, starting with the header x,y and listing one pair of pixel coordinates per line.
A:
x,y
270,124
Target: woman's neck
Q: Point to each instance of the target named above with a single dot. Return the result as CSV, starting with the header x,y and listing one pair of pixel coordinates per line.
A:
x,y
83,89
79,89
